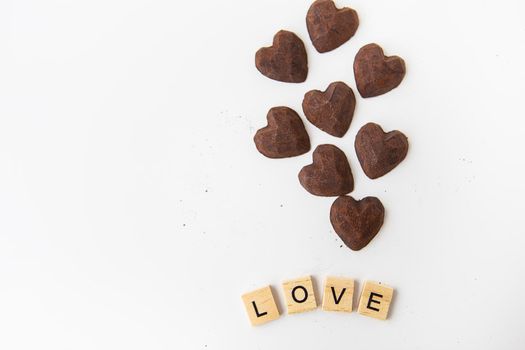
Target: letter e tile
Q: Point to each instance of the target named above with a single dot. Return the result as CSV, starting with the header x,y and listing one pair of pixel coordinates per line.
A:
x,y
375,300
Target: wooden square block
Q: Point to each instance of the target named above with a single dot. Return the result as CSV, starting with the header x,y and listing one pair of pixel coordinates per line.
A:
x,y
338,294
300,295
260,306
375,300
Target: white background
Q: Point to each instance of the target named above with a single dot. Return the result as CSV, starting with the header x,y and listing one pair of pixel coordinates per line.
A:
x,y
135,209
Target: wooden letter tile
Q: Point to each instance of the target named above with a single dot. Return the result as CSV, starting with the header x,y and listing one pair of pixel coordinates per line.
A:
x,y
375,300
299,294
260,306
338,294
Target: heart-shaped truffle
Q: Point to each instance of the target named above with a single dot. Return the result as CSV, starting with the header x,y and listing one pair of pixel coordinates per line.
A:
x,y
379,152
284,136
357,222
332,110
285,60
329,174
330,27
375,73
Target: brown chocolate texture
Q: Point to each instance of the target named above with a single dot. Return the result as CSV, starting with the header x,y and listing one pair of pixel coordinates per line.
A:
x,y
330,27
284,136
285,60
329,174
375,73
379,152
332,110
357,222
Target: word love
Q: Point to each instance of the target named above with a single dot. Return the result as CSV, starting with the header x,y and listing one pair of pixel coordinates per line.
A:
x,y
300,297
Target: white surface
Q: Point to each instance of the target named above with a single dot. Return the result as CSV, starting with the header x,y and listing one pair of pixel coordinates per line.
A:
x,y
135,209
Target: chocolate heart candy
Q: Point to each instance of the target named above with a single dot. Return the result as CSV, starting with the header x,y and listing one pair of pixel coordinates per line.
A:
x,y
284,136
357,222
332,110
330,27
375,73
329,174
379,152
285,61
